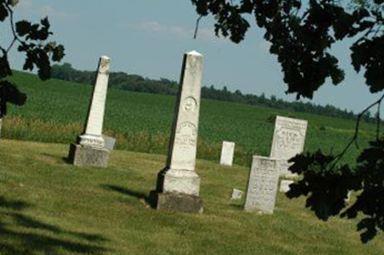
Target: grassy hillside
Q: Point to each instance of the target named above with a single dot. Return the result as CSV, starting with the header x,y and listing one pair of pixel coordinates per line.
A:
x,y
56,110
50,207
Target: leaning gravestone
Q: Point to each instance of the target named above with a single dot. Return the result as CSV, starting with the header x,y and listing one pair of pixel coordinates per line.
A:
x,y
89,149
288,141
227,152
178,185
262,185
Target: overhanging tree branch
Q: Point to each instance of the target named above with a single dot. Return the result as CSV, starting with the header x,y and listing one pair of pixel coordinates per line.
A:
x,y
357,127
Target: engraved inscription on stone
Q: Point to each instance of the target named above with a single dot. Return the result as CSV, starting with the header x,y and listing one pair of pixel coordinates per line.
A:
x,y
262,185
288,138
288,141
186,135
92,141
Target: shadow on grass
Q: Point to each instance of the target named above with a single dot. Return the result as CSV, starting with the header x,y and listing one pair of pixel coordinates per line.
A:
x,y
149,200
66,160
22,235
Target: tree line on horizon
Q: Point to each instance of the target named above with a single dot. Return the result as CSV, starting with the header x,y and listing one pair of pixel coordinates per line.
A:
x,y
137,83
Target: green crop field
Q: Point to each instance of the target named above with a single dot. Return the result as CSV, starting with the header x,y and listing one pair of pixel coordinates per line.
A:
x,y
56,111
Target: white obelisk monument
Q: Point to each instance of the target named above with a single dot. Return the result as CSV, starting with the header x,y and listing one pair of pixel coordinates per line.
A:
x,y
89,149
178,184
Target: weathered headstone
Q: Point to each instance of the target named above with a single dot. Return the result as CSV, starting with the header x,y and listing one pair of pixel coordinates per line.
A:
x,y
178,185
262,185
89,149
288,141
236,194
109,142
227,151
284,185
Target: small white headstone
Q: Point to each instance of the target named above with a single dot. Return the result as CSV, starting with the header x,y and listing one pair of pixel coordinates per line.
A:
x,y
284,185
262,185
227,152
236,194
288,141
109,142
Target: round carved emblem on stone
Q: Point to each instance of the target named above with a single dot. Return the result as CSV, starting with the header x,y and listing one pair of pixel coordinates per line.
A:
x,y
189,104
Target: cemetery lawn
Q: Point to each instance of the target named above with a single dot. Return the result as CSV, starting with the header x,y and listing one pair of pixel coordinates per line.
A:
x,y
56,110
50,207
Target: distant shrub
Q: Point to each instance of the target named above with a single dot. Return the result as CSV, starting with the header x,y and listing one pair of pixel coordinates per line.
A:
x,y
271,118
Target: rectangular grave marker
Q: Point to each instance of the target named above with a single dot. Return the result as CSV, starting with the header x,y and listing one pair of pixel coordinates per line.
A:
x,y
262,185
288,141
227,151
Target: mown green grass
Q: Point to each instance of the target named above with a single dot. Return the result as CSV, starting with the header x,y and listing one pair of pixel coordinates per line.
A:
x,y
56,111
50,207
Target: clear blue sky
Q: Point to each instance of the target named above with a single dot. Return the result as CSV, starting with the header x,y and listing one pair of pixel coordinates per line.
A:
x,y
148,37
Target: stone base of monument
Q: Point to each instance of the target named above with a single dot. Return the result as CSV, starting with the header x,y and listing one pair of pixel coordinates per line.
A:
x,y
177,202
80,155
178,191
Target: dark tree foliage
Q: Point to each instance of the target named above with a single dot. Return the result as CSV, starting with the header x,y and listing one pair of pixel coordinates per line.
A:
x,y
302,34
31,40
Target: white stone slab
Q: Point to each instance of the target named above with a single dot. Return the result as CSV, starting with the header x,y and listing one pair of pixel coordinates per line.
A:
x,y
181,176
227,152
284,185
109,142
236,194
262,185
288,140
92,135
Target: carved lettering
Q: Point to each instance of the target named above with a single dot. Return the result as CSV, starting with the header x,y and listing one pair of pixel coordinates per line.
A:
x,y
262,185
288,140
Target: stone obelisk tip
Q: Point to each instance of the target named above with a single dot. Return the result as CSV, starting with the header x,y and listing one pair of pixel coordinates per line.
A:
x,y
104,57
194,53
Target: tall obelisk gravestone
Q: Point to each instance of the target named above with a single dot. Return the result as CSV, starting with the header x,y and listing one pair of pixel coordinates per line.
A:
x,y
178,185
89,149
